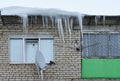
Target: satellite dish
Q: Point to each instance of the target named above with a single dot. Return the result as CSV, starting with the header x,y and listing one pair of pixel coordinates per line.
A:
x,y
40,63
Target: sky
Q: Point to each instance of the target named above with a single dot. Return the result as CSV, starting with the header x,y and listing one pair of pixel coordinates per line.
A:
x,y
92,7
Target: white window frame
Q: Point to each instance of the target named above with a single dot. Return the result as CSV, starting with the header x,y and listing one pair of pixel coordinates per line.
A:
x,y
24,37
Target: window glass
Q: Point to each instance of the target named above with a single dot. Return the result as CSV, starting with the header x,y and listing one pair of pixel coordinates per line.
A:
x,y
46,47
88,45
102,45
115,45
16,50
31,48
24,50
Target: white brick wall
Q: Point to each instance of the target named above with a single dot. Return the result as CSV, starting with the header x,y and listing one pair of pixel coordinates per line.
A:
x,y
68,61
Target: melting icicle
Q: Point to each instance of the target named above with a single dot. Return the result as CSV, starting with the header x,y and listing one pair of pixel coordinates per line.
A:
x,y
104,20
35,19
43,21
80,22
66,26
52,20
71,23
25,23
60,28
46,22
80,17
96,20
69,28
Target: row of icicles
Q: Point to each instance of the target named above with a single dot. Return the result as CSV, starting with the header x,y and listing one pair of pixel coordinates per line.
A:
x,y
62,23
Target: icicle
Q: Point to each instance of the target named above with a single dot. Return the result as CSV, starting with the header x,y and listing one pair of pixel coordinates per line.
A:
x,y
60,28
52,20
43,21
25,23
96,20
56,21
104,20
80,22
66,26
69,28
46,22
80,17
71,23
62,31
31,20
35,19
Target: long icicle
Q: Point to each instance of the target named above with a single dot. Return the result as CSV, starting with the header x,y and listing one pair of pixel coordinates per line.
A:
x,y
25,23
61,28
104,21
52,20
36,20
71,23
69,28
58,27
80,24
46,22
65,21
80,17
43,21
96,20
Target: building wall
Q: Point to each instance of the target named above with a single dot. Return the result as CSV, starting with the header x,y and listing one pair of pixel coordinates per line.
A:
x,y
67,59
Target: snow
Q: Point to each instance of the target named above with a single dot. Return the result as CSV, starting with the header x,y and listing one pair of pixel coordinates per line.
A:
x,y
57,16
94,7
35,11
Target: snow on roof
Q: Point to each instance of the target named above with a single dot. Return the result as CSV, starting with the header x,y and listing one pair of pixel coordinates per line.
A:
x,y
56,15
59,16
20,11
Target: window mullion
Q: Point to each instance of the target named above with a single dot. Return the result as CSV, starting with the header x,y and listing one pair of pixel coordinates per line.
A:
x,y
95,42
23,50
109,46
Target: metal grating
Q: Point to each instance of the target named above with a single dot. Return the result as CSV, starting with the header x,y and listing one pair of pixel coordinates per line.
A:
x,y
101,45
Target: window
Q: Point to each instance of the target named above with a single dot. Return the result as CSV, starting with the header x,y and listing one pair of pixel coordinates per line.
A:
x,y
101,45
23,50
16,50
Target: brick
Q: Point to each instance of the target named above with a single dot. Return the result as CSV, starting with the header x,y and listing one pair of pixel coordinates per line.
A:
x,y
65,58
